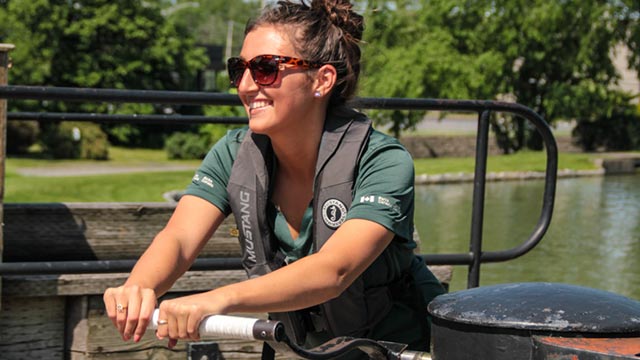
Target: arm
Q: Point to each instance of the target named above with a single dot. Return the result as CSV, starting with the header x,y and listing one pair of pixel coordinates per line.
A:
x,y
170,254
387,172
306,282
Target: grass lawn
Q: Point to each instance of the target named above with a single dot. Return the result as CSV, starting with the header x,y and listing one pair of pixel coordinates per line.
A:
x,y
131,187
134,187
149,186
521,161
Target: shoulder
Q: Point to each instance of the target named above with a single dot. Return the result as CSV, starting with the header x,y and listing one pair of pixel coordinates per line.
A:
x,y
383,146
229,143
379,139
378,142
235,136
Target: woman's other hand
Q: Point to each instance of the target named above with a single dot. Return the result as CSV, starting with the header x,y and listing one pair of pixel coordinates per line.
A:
x,y
180,318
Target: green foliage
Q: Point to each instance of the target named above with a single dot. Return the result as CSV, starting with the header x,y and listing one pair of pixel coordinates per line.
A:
x,y
190,145
118,44
213,132
21,135
105,44
213,21
183,145
552,56
615,130
629,13
73,140
406,55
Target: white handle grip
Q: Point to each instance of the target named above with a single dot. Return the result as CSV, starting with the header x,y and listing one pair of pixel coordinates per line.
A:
x,y
234,327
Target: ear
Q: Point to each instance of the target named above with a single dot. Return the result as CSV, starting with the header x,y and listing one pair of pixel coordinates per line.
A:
x,y
325,80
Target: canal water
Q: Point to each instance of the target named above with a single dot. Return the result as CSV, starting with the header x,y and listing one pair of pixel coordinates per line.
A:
x,y
593,240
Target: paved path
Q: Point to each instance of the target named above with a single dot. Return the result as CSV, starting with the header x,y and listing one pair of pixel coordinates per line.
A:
x,y
99,169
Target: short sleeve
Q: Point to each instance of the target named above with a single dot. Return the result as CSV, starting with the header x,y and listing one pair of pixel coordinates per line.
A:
x,y
211,178
384,186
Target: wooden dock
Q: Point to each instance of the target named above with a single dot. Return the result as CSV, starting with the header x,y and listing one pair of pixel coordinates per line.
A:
x,y
62,316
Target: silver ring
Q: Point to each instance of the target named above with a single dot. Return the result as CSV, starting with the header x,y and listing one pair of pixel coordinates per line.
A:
x,y
162,322
121,308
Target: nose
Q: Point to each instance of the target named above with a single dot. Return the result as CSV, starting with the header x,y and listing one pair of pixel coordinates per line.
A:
x,y
246,82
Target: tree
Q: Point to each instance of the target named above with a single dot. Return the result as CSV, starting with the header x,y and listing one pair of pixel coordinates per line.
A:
x,y
102,44
553,56
405,56
99,43
215,21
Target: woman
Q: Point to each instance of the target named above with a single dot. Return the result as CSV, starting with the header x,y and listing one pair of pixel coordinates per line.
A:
x,y
323,203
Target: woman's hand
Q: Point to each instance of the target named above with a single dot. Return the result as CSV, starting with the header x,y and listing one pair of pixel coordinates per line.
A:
x,y
179,319
170,254
130,308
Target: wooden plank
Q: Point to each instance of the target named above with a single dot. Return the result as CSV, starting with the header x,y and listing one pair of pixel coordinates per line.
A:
x,y
32,328
95,231
76,324
4,79
98,339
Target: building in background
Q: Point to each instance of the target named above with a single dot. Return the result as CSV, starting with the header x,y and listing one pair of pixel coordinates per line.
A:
x,y
628,78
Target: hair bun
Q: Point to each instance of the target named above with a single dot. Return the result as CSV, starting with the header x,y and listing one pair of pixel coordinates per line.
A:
x,y
340,13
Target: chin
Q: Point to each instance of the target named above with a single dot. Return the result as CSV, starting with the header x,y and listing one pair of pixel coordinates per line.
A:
x,y
258,127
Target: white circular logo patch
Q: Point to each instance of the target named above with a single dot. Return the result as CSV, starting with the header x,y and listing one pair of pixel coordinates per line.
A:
x,y
334,213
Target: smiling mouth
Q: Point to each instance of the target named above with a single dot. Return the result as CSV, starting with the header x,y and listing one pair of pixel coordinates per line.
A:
x,y
258,104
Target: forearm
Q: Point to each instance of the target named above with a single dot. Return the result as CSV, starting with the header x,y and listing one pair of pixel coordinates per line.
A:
x,y
174,249
307,282
159,266
311,280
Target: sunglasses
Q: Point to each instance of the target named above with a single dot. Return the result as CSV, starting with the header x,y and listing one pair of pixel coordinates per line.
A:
x,y
264,68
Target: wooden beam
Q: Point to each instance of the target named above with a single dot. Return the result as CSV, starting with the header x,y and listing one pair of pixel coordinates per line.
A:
x,y
4,79
95,231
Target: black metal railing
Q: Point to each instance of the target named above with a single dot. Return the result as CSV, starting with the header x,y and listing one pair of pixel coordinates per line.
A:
x,y
474,258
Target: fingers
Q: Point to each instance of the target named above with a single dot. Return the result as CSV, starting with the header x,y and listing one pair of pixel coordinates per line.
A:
x,y
129,308
147,307
122,308
178,320
130,321
110,304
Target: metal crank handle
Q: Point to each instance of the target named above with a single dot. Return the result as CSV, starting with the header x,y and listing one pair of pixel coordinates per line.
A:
x,y
235,327
415,355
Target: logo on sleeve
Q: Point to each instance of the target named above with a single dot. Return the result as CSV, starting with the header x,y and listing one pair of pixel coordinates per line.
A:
x,y
334,213
368,198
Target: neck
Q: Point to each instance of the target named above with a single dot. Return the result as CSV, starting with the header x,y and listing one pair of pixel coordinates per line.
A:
x,y
297,157
297,151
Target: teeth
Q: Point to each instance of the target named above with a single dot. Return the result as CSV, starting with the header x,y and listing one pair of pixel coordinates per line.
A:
x,y
258,104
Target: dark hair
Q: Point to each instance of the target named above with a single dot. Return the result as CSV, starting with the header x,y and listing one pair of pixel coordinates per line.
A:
x,y
326,31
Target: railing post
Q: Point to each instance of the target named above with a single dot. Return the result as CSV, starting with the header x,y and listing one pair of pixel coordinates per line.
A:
x,y
4,79
477,214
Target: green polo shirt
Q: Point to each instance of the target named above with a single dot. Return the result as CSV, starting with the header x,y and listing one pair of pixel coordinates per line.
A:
x,y
383,188
383,193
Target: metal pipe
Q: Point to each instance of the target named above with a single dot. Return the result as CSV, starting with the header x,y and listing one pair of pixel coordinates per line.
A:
x,y
104,266
477,214
478,106
127,119
204,98
117,95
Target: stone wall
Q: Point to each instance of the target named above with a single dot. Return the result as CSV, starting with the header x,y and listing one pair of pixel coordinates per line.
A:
x,y
462,145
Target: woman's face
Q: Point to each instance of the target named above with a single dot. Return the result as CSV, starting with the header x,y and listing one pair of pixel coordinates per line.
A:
x,y
285,104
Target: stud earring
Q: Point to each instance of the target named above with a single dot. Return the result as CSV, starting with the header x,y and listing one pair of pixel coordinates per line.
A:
x,y
317,94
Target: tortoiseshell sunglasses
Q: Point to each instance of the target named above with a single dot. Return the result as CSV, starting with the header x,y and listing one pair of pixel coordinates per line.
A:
x,y
264,68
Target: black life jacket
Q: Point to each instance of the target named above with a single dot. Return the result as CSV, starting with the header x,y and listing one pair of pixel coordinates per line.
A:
x,y
343,142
